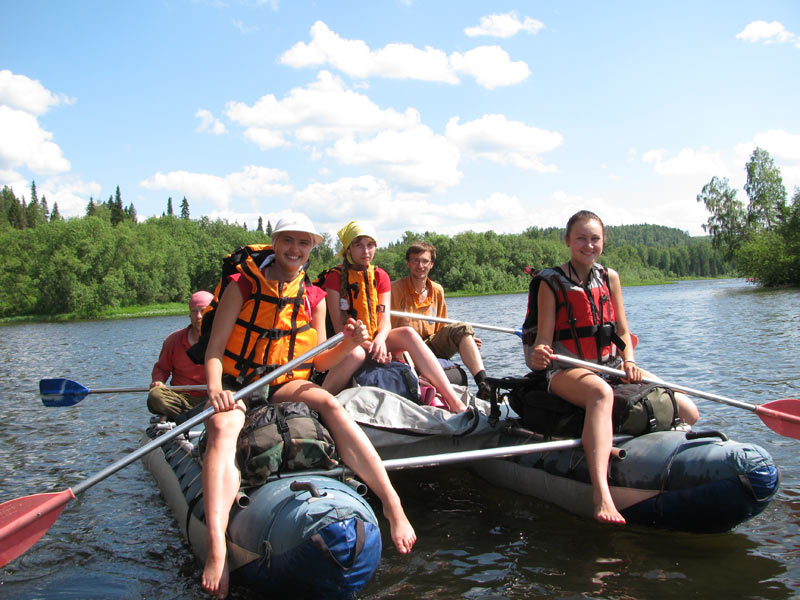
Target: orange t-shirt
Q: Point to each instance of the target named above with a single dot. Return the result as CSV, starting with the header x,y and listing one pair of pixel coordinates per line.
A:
x,y
406,299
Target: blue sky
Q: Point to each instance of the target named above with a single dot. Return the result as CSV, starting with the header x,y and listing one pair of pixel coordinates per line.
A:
x,y
422,116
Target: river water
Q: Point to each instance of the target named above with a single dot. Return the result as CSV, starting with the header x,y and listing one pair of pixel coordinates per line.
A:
x,y
117,540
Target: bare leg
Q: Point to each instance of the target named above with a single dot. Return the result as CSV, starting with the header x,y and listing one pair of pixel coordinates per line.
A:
x,y
220,484
585,389
339,376
408,340
357,452
687,409
468,350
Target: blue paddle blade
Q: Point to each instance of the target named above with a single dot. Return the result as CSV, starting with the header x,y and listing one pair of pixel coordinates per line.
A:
x,y
61,392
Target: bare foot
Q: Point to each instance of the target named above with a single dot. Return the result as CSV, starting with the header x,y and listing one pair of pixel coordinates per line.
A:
x,y
459,407
215,576
608,513
403,536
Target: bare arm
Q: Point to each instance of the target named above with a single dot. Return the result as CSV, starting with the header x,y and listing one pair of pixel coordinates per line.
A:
x,y
538,356
224,319
377,348
355,332
332,302
623,331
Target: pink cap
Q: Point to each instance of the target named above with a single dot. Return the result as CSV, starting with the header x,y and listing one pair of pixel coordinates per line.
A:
x,y
200,299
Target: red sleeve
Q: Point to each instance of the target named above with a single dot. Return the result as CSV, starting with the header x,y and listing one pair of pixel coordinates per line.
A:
x,y
333,281
315,295
244,285
382,282
165,365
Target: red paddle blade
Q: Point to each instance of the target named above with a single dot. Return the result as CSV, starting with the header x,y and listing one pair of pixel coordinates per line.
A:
x,y
24,520
782,416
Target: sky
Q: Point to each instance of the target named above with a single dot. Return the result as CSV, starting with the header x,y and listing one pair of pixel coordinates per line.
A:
x,y
441,116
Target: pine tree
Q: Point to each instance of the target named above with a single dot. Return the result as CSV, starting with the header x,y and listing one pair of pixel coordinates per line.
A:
x,y
269,229
45,211
169,206
185,209
260,226
55,215
90,207
117,211
130,213
16,215
32,212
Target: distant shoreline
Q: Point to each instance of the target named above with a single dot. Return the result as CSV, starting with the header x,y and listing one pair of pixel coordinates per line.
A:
x,y
172,309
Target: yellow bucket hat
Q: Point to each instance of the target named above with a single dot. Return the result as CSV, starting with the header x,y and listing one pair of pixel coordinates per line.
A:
x,y
354,230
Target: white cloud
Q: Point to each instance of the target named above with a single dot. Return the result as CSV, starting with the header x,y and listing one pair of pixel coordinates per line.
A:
x,y
323,109
504,26
687,162
415,157
266,139
489,65
769,33
371,199
252,182
25,143
245,29
209,122
495,138
784,147
28,95
333,204
71,194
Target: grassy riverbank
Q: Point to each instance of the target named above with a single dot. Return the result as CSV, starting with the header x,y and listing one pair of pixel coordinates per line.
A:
x,y
128,312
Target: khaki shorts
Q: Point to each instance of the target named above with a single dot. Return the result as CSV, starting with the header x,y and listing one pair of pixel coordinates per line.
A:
x,y
444,343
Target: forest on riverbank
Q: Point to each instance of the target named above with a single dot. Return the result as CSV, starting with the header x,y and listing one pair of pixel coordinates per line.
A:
x,y
81,266
761,239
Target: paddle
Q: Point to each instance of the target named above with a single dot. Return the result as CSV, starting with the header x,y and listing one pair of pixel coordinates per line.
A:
x,y
24,520
782,416
449,458
66,392
408,315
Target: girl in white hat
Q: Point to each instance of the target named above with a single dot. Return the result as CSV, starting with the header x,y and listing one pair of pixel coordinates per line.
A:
x,y
292,239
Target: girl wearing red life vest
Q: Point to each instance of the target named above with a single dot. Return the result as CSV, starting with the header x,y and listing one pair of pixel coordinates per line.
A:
x,y
371,300
580,386
293,238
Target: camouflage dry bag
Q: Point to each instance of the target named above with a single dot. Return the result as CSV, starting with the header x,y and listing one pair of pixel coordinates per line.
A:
x,y
282,437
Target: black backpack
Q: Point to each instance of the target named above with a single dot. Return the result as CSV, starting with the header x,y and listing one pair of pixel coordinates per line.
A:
x,y
639,408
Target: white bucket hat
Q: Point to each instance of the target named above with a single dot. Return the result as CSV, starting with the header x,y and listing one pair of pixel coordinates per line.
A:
x,y
297,222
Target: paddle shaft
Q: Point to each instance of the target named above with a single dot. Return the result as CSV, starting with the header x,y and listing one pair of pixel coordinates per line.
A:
x,y
574,362
408,315
199,418
449,458
176,388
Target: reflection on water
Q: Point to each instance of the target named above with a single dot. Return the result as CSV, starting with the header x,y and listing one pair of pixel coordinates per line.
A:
x,y
118,539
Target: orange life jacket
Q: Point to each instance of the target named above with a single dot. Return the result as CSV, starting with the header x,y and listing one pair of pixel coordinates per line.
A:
x,y
361,301
273,326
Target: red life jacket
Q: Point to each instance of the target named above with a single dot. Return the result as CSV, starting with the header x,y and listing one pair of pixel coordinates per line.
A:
x,y
585,325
